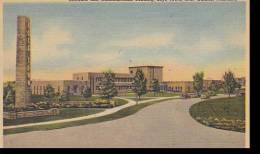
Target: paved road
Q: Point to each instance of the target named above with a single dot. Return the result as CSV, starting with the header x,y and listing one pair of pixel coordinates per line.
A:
x,y
164,125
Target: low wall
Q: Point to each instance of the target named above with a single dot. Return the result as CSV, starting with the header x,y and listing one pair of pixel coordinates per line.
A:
x,y
76,103
86,104
37,113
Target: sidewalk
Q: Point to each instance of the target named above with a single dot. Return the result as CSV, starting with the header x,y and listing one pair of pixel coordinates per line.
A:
x,y
106,112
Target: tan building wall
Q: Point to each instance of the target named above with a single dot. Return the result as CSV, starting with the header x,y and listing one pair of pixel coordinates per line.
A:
x,y
241,81
150,73
178,86
123,81
71,86
185,86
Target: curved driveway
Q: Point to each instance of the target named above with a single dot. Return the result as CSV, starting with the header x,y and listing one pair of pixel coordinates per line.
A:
x,y
163,125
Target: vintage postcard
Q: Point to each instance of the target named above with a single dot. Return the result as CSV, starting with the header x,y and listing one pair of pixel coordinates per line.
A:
x,y
125,74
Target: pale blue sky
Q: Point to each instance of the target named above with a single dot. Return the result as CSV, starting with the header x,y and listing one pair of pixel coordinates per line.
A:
x,y
182,37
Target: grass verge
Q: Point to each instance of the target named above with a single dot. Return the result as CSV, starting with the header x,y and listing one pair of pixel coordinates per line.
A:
x,y
65,113
119,114
222,113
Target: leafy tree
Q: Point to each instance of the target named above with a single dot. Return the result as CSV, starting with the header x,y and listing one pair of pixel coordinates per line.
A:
x,y
229,82
9,93
155,86
139,83
107,85
87,93
49,93
198,82
64,96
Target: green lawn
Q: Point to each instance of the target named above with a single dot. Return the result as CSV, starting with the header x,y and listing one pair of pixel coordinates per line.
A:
x,y
222,113
119,114
65,113
151,94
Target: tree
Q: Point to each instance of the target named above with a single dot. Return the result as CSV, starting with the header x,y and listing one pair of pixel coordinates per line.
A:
x,y
198,82
87,92
230,83
139,83
9,93
107,85
155,86
64,96
49,94
214,86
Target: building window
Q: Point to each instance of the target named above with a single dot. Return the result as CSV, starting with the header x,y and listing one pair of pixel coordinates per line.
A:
x,y
68,88
75,89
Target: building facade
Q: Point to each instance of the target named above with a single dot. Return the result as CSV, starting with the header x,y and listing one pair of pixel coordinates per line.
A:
x,y
23,63
73,87
150,73
186,86
177,86
241,81
123,81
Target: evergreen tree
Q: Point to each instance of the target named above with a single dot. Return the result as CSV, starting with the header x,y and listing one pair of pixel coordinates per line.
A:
x,y
87,93
64,96
139,83
229,82
9,93
107,85
198,82
49,93
155,86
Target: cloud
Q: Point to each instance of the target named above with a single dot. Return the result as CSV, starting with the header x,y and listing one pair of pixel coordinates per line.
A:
x,y
44,47
9,60
237,40
101,56
146,41
48,45
217,70
201,45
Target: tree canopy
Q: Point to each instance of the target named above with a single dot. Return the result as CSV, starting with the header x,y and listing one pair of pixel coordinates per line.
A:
x,y
230,83
155,86
139,83
107,85
198,82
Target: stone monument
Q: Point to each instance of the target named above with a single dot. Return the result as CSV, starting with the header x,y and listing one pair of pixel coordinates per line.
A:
x,y
23,63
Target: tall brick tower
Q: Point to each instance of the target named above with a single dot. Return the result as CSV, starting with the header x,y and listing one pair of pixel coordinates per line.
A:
x,y
23,63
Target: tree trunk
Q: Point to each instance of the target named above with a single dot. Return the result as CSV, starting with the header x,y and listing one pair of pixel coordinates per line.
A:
x,y
136,100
